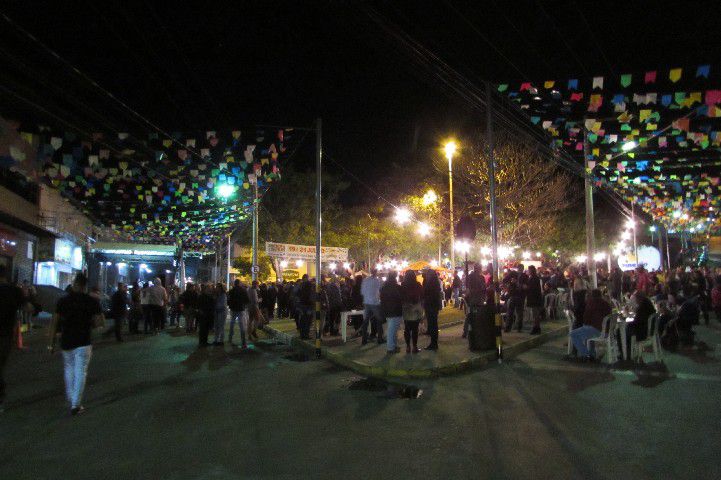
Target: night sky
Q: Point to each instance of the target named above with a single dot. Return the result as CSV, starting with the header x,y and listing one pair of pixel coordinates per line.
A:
x,y
213,65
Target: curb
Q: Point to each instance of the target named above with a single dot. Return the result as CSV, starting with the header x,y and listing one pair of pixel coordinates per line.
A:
x,y
475,362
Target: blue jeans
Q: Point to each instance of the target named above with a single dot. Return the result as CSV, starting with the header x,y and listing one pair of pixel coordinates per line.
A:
x,y
75,366
394,324
579,337
219,326
372,311
241,317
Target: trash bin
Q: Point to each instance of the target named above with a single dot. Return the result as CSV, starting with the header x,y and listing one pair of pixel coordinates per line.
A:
x,y
481,328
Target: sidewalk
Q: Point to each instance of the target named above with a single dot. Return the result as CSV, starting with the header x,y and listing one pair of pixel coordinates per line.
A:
x,y
453,355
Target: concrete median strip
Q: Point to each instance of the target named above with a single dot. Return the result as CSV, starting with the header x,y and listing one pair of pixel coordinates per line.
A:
x,y
348,356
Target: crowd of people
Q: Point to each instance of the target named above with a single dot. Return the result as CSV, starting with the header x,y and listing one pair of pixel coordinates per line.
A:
x,y
677,300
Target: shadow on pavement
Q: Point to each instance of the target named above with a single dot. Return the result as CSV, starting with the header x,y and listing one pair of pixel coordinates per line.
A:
x,y
698,353
651,375
577,381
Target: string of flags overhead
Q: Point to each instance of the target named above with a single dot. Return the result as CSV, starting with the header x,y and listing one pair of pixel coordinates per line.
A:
x,y
151,189
654,136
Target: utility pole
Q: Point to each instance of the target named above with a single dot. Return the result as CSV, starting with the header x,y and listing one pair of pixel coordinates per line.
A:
x,y
450,206
660,247
217,263
668,250
181,262
227,262
254,268
590,233
633,221
494,226
318,224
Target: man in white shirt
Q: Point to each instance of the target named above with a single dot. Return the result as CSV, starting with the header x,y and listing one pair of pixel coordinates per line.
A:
x,y
157,298
371,292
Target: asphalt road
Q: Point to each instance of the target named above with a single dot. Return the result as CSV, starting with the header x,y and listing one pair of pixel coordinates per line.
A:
x,y
158,408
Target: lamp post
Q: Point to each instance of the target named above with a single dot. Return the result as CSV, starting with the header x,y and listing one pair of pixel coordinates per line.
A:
x,y
430,200
450,149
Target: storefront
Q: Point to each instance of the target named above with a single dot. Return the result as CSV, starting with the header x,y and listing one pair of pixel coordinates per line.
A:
x,y
59,260
8,249
17,249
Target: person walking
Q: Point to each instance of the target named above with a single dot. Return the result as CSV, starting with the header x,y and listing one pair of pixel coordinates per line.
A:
x,y
136,309
157,301
456,290
392,310
306,298
147,309
335,306
119,309
412,298
221,312
238,303
534,299
432,304
475,294
269,300
370,290
76,315
11,300
189,306
174,306
205,313
255,317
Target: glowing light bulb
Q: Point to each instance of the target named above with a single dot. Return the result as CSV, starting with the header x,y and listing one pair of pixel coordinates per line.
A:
x,y
424,229
403,215
450,149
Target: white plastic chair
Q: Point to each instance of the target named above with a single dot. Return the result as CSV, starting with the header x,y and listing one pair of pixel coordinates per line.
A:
x,y
607,338
562,301
549,303
653,339
571,320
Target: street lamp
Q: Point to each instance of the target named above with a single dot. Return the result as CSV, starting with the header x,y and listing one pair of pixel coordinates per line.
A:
x,y
450,150
429,198
463,246
403,215
424,229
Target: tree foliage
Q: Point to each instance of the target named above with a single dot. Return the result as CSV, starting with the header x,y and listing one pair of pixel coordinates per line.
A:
x,y
537,203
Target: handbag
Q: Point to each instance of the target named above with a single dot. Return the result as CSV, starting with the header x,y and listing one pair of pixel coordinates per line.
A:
x,y
412,312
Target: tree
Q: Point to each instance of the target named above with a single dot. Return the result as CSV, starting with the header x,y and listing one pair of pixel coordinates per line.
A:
x,y
537,203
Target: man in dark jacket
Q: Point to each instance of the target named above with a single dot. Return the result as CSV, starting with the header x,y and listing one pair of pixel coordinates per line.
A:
x,y
119,309
306,299
432,303
335,306
534,299
11,299
189,305
238,304
205,314
392,309
269,299
475,293
517,298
